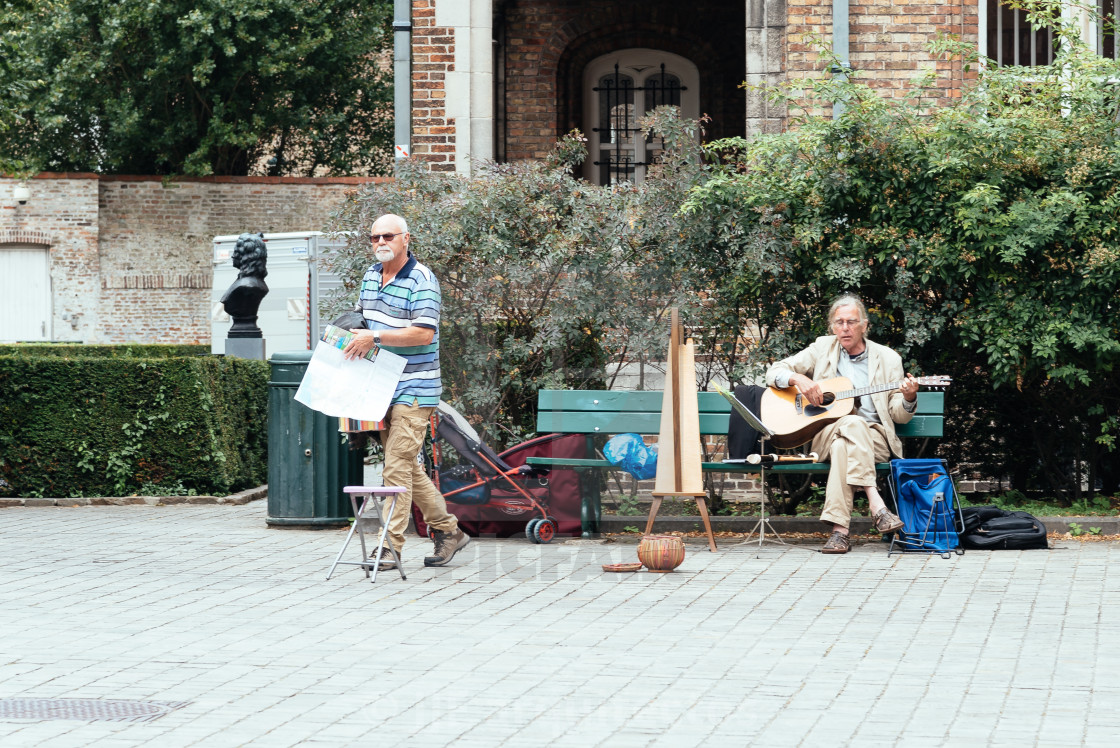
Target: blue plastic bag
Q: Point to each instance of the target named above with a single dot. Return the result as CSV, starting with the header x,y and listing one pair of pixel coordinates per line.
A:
x,y
633,455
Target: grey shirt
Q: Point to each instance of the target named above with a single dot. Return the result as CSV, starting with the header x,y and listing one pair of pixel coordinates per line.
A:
x,y
855,369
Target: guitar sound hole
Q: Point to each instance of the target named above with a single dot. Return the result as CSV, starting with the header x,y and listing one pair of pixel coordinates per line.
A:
x,y
812,411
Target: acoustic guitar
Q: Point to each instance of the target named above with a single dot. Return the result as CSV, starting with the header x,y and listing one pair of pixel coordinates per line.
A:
x,y
794,420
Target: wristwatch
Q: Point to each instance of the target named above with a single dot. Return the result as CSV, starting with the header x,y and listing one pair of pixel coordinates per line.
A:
x,y
377,338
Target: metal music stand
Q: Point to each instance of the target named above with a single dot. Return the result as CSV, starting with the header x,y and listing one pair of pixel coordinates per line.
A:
x,y
764,434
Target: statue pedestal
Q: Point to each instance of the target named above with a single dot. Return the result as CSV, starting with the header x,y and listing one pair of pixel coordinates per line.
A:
x,y
245,348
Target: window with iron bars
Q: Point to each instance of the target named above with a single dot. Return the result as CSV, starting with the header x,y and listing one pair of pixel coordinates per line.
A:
x,y
1007,37
622,152
1012,41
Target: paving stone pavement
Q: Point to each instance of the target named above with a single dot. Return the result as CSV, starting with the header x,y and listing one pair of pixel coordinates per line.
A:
x,y
517,644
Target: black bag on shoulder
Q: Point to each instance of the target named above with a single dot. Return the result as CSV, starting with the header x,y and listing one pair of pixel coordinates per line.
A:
x,y
989,528
349,320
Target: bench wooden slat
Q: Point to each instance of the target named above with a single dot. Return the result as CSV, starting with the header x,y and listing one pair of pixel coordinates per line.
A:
x,y
611,423
649,401
931,403
711,467
621,401
599,400
572,422
930,427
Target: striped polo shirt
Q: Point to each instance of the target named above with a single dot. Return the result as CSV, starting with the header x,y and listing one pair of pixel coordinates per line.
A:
x,y
412,298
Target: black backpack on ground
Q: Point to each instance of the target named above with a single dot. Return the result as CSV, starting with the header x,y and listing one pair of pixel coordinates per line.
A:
x,y
989,528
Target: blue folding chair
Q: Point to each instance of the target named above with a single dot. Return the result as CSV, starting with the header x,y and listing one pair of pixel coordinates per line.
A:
x,y
926,502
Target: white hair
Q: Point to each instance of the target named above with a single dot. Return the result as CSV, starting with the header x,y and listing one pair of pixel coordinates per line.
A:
x,y
847,300
401,223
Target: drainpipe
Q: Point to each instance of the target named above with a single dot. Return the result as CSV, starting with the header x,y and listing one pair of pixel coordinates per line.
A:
x,y
840,34
402,79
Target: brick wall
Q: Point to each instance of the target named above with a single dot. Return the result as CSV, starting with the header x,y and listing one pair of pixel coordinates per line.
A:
x,y
433,56
548,45
887,43
545,45
155,259
61,214
130,256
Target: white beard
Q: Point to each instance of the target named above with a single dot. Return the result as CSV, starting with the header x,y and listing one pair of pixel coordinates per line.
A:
x,y
383,255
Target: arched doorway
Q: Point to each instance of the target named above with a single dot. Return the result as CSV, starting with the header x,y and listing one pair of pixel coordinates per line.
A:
x,y
620,87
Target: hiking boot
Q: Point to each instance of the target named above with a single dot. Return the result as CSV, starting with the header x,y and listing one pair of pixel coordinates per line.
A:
x,y
386,561
447,545
837,542
886,522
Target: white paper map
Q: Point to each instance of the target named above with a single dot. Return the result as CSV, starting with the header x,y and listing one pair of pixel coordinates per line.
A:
x,y
349,388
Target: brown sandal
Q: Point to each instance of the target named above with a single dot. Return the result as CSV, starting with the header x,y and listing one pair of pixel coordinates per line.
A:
x,y
837,542
885,521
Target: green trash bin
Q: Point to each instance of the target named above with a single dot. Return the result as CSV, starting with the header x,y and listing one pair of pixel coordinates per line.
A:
x,y
309,461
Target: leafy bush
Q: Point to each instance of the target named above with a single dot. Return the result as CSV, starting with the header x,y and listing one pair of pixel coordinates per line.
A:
x,y
982,234
109,426
547,281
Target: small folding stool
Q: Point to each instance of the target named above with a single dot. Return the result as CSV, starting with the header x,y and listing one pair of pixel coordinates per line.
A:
x,y
372,499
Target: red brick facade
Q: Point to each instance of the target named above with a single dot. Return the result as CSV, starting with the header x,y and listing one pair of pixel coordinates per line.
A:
x,y
887,43
543,46
433,56
548,45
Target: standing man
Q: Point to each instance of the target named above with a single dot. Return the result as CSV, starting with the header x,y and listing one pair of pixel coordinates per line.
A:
x,y
400,301
855,443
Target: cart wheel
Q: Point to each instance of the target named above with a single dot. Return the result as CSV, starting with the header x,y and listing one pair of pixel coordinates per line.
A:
x,y
530,527
555,524
544,531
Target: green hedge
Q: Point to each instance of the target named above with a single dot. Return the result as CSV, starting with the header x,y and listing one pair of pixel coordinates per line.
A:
x,y
86,426
79,350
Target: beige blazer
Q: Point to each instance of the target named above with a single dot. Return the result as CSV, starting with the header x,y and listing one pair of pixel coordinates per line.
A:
x,y
819,361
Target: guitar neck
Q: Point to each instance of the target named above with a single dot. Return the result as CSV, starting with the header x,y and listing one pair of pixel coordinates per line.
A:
x,y
870,389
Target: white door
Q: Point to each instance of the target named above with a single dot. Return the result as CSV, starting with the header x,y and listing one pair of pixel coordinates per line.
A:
x,y
620,87
25,293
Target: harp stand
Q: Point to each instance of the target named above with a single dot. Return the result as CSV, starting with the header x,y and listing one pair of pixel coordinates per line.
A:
x,y
679,464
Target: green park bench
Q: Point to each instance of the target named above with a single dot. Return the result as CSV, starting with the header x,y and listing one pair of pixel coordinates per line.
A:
x,y
604,413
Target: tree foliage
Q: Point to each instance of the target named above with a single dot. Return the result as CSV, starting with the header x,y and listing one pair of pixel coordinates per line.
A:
x,y
195,86
547,281
982,233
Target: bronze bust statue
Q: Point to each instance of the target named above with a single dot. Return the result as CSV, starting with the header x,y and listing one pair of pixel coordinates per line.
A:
x,y
243,297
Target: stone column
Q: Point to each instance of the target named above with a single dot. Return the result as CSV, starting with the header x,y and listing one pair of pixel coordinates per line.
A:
x,y
470,84
765,63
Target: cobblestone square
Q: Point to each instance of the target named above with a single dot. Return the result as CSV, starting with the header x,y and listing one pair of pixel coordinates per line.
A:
x,y
235,626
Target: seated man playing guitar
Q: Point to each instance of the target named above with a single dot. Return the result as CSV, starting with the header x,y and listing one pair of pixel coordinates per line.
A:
x,y
854,443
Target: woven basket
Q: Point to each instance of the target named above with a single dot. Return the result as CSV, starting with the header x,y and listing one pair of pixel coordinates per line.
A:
x,y
661,552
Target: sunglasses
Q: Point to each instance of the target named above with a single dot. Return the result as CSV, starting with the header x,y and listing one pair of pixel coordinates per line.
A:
x,y
387,237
